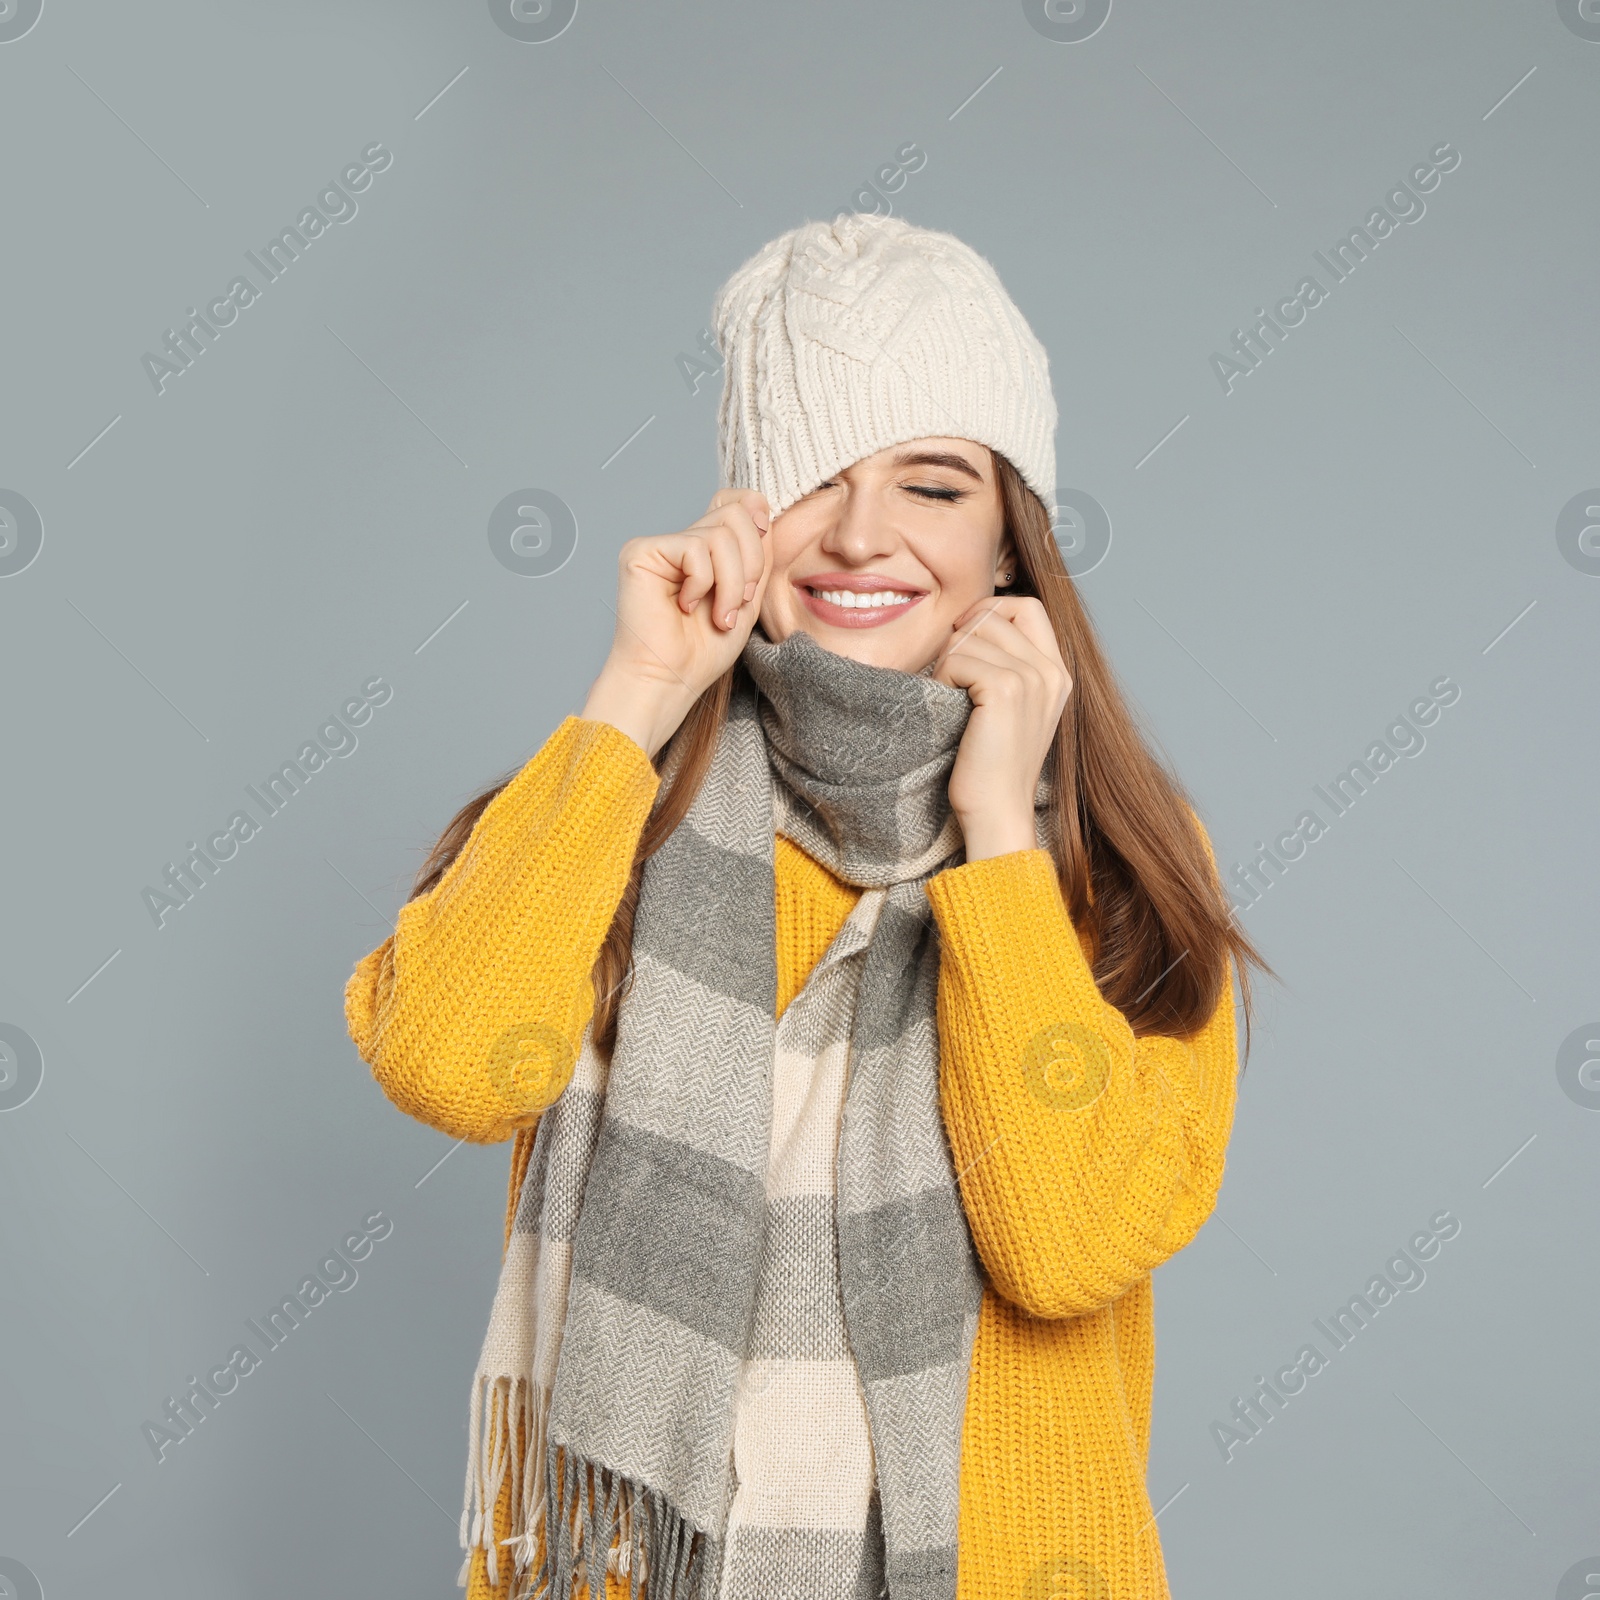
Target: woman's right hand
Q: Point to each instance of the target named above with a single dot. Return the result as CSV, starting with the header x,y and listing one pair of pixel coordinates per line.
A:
x,y
686,603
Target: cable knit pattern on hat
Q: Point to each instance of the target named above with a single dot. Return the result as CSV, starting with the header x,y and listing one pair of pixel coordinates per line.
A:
x,y
842,338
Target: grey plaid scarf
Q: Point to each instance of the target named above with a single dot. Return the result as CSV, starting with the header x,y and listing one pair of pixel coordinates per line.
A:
x,y
643,1244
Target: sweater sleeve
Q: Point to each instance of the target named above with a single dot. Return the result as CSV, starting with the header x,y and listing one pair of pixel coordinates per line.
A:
x,y
1086,1156
471,1014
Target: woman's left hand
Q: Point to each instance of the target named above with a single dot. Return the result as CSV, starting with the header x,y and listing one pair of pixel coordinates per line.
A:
x,y
1003,652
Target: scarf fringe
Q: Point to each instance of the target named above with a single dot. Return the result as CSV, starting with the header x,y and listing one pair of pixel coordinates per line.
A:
x,y
606,1522
600,1507
501,1409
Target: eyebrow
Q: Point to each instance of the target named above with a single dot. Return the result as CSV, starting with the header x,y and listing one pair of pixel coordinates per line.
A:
x,y
938,458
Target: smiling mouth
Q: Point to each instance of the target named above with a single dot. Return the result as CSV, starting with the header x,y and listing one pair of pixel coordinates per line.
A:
x,y
871,600
856,608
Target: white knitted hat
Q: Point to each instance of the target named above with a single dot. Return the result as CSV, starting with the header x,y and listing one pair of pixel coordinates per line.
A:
x,y
842,338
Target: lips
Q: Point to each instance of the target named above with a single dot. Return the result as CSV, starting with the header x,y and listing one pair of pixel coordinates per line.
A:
x,y
856,600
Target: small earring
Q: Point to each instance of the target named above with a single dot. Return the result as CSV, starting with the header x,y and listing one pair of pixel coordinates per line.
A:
x,y
1005,579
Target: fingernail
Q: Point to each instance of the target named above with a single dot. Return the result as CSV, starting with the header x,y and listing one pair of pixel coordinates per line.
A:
x,y
750,588
727,621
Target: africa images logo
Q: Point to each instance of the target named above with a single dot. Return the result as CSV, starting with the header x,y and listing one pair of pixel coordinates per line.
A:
x,y
336,203
335,1273
1256,341
335,738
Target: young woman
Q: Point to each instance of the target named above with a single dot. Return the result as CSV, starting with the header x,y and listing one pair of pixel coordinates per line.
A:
x,y
858,991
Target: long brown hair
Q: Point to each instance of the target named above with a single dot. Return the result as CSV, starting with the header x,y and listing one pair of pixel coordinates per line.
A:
x,y
1134,868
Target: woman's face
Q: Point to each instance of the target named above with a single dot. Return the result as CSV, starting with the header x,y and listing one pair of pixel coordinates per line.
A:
x,y
921,524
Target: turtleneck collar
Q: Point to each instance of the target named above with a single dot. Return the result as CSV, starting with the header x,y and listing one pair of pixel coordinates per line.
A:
x,y
846,722
861,755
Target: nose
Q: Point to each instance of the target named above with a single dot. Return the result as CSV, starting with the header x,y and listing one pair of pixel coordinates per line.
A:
x,y
860,532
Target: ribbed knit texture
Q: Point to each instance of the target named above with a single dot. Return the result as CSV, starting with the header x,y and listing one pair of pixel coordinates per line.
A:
x,y
1072,1196
842,338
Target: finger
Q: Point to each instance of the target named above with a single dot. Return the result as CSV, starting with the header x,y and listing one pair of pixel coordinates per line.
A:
x,y
693,560
748,510
751,499
991,620
979,654
1030,616
985,676
752,546
728,566
713,566
995,605
976,658
744,520
709,561
1021,624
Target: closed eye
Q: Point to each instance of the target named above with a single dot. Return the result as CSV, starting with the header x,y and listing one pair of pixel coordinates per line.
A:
x,y
945,495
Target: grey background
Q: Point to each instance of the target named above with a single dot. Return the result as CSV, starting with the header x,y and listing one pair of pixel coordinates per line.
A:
x,y
306,506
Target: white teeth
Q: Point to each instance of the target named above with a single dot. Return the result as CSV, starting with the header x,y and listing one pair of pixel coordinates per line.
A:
x,y
870,600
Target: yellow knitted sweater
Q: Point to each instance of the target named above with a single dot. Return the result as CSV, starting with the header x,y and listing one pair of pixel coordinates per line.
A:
x,y
1070,1204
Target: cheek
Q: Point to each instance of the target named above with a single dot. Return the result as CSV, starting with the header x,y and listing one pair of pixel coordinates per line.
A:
x,y
964,564
787,547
